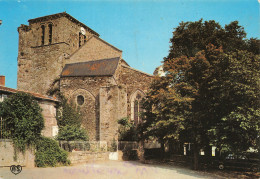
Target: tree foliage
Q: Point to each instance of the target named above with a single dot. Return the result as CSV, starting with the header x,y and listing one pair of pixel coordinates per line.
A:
x,y
23,119
127,130
192,37
210,94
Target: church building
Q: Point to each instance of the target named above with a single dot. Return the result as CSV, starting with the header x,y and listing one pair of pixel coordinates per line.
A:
x,y
57,52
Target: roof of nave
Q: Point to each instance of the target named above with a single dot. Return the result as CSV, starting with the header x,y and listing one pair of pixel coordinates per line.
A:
x,y
104,67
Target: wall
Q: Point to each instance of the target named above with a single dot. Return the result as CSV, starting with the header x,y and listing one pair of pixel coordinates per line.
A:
x,y
88,87
49,115
7,155
132,80
78,157
94,49
112,108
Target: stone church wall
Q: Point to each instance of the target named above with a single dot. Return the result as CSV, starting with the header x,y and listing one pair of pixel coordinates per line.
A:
x,y
88,87
94,49
132,80
112,108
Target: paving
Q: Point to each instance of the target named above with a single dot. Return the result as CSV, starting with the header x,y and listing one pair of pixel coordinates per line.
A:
x,y
105,170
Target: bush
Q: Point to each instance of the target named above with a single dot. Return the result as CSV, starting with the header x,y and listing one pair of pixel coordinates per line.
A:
x,y
70,133
49,153
127,130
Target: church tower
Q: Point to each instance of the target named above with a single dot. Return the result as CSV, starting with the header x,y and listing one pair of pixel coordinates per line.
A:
x,y
43,46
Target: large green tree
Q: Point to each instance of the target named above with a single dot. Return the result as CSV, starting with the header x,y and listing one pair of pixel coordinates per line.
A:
x,y
210,92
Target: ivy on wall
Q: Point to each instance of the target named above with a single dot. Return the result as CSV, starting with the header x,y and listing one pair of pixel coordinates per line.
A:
x,y
23,119
69,122
23,124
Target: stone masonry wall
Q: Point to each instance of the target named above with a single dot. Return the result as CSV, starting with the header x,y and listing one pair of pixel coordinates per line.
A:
x,y
37,71
7,155
94,49
88,87
49,115
112,108
80,157
132,80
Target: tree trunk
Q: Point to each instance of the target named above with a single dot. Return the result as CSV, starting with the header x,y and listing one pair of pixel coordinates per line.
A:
x,y
195,157
141,150
162,149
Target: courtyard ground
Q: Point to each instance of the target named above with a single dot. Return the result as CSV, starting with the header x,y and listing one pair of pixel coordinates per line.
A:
x,y
113,170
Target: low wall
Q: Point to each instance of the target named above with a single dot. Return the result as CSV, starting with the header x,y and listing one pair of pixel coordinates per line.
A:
x,y
7,155
77,157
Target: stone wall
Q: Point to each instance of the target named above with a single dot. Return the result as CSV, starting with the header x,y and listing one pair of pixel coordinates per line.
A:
x,y
132,80
94,49
49,115
79,157
7,155
112,108
88,87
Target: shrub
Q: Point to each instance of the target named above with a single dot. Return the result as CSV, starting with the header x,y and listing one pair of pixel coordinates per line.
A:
x,y
70,133
49,153
127,130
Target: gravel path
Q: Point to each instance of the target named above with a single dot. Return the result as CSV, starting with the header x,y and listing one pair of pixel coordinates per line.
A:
x,y
106,170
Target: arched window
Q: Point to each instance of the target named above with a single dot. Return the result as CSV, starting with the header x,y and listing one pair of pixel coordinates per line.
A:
x,y
50,33
43,34
136,106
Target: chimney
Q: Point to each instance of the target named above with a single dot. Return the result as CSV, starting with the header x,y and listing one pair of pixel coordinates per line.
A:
x,y
2,80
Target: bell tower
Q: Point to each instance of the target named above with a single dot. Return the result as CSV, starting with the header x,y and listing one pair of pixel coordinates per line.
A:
x,y
43,46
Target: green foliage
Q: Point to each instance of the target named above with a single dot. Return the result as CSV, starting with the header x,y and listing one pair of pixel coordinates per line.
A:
x,y
69,122
191,37
127,130
70,133
49,153
211,89
68,114
23,119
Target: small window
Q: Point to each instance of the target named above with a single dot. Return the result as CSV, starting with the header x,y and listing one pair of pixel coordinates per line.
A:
x,y
80,100
43,34
50,33
79,39
82,39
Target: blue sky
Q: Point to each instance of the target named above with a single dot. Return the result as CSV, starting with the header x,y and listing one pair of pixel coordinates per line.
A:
x,y
141,28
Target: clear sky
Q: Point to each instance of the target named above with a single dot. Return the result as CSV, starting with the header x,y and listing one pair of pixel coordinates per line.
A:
x,y
141,28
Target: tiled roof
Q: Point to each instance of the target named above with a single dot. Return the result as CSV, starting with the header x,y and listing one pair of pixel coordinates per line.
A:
x,y
63,14
104,67
36,95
